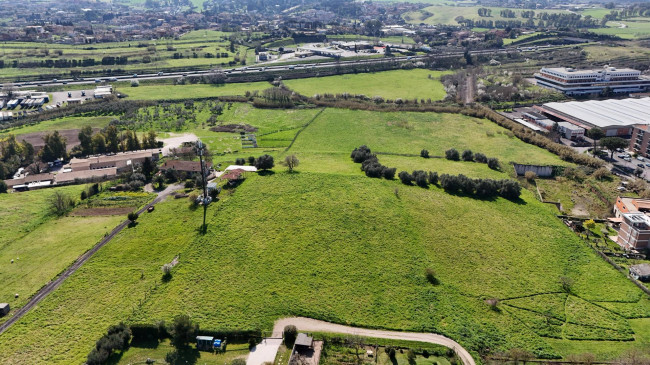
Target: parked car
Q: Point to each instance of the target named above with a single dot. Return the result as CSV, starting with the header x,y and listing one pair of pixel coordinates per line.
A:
x,y
627,159
640,158
641,165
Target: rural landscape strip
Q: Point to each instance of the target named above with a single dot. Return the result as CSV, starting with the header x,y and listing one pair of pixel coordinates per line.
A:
x,y
53,285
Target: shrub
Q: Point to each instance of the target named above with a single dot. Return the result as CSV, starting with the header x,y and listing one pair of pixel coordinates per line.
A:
x,y
290,334
389,173
468,155
452,154
116,338
390,351
479,157
421,178
172,357
189,184
510,189
424,153
84,195
530,175
410,355
405,177
361,154
433,178
183,330
193,198
251,160
493,163
264,162
240,161
133,216
431,276
466,184
493,303
566,283
486,188
601,173
574,173
450,183
3,187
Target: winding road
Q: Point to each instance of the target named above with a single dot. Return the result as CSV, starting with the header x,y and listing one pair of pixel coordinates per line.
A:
x,y
266,351
54,284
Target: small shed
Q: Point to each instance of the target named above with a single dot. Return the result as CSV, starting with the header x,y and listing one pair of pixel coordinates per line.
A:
x,y
640,272
304,341
204,342
4,309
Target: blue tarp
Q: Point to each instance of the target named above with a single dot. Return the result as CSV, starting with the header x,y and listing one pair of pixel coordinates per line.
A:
x,y
217,343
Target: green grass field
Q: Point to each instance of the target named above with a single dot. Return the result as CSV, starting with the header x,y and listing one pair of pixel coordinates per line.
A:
x,y
171,92
329,243
627,29
406,84
139,353
59,124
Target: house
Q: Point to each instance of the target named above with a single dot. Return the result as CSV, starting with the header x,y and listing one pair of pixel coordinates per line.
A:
x,y
640,272
630,205
634,233
4,309
188,167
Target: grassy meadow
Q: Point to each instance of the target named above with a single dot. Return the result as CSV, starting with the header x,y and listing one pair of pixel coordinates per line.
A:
x,y
329,243
171,92
406,84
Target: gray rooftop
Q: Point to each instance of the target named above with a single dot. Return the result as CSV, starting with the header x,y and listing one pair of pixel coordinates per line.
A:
x,y
606,113
304,340
641,269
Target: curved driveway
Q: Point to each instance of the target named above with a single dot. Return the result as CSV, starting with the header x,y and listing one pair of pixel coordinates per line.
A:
x,y
313,325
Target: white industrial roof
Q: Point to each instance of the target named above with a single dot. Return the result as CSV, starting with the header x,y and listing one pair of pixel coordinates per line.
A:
x,y
241,167
606,113
529,125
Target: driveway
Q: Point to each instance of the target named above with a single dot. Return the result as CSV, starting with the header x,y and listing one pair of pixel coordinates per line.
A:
x,y
176,141
313,325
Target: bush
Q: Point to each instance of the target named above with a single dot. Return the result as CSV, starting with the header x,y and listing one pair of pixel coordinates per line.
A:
x,y
601,173
389,173
450,183
574,173
290,334
479,157
116,338
468,155
251,160
405,177
193,198
424,153
189,184
361,154
510,189
493,163
264,162
240,161
390,351
466,184
421,178
486,188
433,178
452,154
410,355
84,195
3,187
172,357
183,330
530,175
133,216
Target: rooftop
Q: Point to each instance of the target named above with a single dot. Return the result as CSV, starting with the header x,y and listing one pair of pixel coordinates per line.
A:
x,y
606,113
304,340
588,71
641,269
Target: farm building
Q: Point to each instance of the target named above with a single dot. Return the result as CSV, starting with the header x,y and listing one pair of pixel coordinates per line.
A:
x,y
614,117
640,272
4,309
122,161
304,341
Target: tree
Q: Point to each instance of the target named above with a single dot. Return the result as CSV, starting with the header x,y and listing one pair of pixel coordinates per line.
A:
x,y
3,187
566,283
240,161
148,168
479,157
99,143
421,178
133,216
595,134
405,177
452,154
112,139
601,173
291,161
424,154
159,180
183,330
290,335
86,140
493,163
264,162
530,175
510,189
613,143
468,155
60,203
589,225
54,148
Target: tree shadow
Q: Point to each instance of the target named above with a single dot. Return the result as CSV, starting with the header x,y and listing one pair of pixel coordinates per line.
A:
x,y
188,355
266,173
145,343
132,224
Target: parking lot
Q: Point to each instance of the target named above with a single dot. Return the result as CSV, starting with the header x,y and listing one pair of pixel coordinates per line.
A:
x,y
627,165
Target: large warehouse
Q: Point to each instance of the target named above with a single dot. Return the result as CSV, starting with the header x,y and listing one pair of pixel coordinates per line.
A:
x,y
616,117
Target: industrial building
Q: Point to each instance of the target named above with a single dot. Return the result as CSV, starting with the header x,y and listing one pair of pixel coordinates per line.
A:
x,y
616,117
579,82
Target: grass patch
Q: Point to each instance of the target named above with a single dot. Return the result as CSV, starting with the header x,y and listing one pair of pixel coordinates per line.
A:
x,y
139,353
405,84
173,92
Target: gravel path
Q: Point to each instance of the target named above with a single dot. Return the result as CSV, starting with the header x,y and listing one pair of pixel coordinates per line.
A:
x,y
52,285
313,325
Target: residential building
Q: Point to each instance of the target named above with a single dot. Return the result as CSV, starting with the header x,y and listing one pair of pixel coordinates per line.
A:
x,y
123,161
634,233
576,82
640,141
626,204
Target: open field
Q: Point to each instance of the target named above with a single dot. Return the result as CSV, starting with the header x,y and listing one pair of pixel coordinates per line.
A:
x,y
406,84
329,243
59,124
629,28
171,92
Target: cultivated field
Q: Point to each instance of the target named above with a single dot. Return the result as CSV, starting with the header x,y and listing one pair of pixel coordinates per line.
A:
x,y
406,84
329,243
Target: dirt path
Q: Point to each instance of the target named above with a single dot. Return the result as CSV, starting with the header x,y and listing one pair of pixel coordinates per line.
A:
x,y
470,87
52,285
267,353
175,141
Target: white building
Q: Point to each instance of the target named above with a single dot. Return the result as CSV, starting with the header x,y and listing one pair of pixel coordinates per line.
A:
x,y
575,82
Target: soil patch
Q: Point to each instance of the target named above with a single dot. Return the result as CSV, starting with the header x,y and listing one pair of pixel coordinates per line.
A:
x,y
234,128
90,212
36,139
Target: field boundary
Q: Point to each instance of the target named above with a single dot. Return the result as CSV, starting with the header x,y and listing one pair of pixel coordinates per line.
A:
x,y
303,128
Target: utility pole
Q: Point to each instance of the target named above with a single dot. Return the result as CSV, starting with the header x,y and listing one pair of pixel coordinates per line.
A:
x,y
200,148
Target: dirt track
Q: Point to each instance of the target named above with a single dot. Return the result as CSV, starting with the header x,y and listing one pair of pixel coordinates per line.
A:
x,y
313,325
52,285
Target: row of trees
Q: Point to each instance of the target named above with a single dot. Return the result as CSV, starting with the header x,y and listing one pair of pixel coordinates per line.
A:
x,y
117,338
370,163
469,156
111,140
482,188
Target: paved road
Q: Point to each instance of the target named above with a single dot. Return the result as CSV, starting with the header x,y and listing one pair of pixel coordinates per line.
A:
x,y
52,285
265,352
